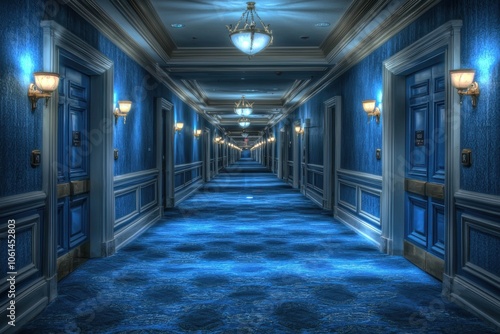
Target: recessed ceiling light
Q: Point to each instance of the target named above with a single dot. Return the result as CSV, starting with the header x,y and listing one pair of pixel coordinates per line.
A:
x,y
177,25
322,24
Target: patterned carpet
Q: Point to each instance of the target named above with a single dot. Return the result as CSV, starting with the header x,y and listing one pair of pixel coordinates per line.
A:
x,y
248,254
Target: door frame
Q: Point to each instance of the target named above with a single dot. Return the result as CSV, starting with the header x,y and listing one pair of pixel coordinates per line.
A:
x,y
331,149
443,40
206,154
165,150
101,127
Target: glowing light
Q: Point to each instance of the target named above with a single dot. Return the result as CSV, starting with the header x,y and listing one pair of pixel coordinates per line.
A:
x,y
484,67
27,68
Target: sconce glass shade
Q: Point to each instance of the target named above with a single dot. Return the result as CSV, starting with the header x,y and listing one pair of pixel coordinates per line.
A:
x,y
46,81
244,122
178,126
298,128
197,133
249,39
462,78
124,106
369,105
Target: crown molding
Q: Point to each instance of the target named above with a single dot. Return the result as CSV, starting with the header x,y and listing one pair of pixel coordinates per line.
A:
x,y
92,13
401,18
356,18
143,18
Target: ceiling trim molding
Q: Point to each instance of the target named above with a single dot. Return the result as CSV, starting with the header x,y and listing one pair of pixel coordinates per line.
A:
x,y
91,12
271,68
142,16
195,89
355,19
390,27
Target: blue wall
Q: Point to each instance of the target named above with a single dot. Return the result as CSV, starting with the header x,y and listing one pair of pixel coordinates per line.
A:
x,y
20,128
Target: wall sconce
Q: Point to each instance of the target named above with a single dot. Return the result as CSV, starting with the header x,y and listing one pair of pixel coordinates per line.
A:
x,y
178,126
463,81
271,139
218,139
197,133
298,129
45,84
122,110
371,109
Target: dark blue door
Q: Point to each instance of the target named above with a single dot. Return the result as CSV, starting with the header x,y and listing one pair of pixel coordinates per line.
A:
x,y
425,168
73,160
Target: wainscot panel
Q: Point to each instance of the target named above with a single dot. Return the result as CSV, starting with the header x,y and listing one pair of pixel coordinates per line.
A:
x,y
314,183
188,179
357,202
23,214
478,275
136,204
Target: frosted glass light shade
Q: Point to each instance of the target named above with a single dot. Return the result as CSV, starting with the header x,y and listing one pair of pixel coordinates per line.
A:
x,y
251,41
244,122
124,106
243,111
369,105
46,81
463,78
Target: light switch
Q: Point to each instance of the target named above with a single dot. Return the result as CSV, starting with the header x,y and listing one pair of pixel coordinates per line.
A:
x,y
466,157
378,154
115,153
35,158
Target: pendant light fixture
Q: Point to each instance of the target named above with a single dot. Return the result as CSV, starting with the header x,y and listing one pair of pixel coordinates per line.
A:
x,y
244,122
243,107
250,39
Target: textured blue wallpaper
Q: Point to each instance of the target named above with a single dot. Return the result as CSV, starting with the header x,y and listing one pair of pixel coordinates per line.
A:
x,y
187,148
20,128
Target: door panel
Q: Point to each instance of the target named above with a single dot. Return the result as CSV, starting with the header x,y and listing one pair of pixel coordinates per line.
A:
x,y
73,155
425,168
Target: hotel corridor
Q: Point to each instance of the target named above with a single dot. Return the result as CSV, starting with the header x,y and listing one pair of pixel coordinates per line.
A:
x,y
249,254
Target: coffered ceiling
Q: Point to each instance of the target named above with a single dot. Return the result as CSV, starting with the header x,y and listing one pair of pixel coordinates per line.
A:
x,y
186,45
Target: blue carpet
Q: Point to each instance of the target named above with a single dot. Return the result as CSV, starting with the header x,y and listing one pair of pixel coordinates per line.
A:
x,y
248,254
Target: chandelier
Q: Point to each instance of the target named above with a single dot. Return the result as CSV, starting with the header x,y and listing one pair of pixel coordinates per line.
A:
x,y
243,107
244,134
249,39
244,122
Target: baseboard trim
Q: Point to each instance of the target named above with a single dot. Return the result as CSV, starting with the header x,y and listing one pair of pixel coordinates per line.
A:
x,y
29,304
477,301
358,225
136,228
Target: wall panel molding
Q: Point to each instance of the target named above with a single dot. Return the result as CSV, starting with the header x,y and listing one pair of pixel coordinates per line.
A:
x,y
355,209
132,219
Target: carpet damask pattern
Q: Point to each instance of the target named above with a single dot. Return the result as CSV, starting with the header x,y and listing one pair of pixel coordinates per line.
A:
x,y
248,254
